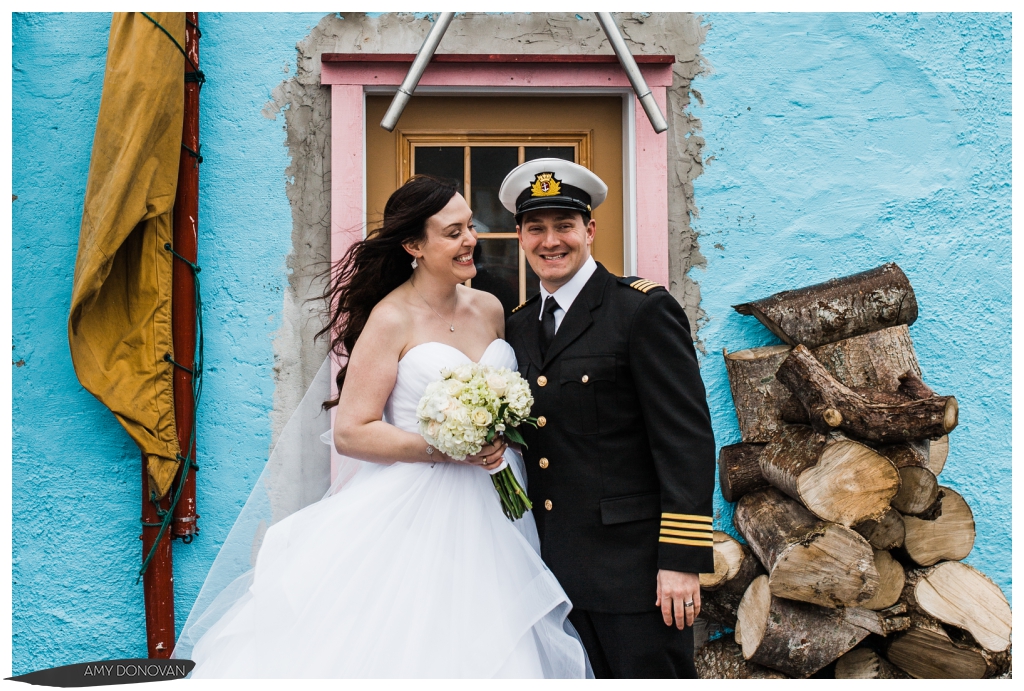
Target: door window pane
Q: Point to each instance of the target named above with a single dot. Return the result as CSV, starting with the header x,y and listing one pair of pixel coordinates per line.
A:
x,y
487,169
446,162
567,153
497,270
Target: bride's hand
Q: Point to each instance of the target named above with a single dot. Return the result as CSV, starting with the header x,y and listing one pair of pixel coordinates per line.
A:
x,y
490,455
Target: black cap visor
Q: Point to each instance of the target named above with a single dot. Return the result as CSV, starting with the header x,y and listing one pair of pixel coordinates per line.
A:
x,y
575,200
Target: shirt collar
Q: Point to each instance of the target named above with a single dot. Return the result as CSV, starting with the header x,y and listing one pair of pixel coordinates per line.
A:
x,y
568,293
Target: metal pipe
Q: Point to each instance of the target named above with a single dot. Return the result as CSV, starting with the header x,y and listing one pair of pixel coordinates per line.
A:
x,y
416,71
183,289
629,65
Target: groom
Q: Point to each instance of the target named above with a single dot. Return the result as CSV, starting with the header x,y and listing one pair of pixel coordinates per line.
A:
x,y
621,465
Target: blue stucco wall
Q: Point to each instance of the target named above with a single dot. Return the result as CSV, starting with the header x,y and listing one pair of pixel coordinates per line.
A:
x,y
867,139
75,474
835,143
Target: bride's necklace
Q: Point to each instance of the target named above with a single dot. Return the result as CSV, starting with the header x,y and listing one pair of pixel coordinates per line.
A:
x,y
451,324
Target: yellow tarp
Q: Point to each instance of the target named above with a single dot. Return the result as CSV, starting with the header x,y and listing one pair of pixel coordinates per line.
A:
x,y
120,324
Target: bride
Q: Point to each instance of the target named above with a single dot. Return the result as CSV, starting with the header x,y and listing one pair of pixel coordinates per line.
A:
x,y
411,569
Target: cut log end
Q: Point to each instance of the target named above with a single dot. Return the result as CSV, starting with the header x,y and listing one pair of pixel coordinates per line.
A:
x,y
886,531
891,578
949,536
951,414
927,652
919,489
752,615
832,417
728,554
865,663
959,595
938,451
849,482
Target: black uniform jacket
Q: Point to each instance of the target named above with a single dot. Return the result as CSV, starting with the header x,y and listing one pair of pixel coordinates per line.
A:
x,y
621,470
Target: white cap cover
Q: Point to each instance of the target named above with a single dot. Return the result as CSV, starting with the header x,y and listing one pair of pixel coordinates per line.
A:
x,y
551,183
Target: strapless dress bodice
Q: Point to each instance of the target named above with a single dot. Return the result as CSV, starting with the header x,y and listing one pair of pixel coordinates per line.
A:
x,y
422,364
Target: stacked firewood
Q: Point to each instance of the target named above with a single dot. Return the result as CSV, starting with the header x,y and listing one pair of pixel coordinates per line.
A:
x,y
853,545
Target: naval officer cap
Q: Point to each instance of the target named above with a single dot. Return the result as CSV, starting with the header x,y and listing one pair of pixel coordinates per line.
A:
x,y
551,183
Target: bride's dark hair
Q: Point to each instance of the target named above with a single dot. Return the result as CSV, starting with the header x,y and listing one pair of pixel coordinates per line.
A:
x,y
377,265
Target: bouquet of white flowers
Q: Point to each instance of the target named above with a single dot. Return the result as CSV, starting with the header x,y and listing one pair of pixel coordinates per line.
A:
x,y
467,408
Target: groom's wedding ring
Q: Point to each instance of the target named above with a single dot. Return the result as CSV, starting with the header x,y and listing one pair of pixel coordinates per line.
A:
x,y
688,604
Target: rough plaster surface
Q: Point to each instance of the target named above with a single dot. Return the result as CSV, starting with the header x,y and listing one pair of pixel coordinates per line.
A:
x,y
76,476
306,108
835,143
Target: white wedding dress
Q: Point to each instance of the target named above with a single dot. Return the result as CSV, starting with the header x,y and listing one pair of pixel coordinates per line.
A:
x,y
410,570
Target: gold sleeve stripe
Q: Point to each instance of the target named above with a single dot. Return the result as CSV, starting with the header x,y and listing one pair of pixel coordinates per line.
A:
x,y
685,533
687,517
704,527
682,541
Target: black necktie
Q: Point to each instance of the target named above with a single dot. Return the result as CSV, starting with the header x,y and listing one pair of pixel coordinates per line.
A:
x,y
547,324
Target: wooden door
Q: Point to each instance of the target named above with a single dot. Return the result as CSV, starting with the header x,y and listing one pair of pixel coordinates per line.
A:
x,y
476,141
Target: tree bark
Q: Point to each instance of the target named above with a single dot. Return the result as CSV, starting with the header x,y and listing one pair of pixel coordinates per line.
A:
x,y
837,479
807,559
883,532
959,595
723,659
840,308
949,536
911,453
721,592
739,471
919,489
756,394
926,651
865,663
831,405
891,579
796,638
874,360
882,622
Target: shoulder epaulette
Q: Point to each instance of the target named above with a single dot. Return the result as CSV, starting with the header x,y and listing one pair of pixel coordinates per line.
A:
x,y
641,284
528,301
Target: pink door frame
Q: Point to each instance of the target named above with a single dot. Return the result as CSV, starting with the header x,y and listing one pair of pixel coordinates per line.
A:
x,y
352,76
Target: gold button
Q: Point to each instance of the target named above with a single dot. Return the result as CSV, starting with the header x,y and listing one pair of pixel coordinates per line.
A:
x,y
541,421
585,379
544,463
547,504
542,380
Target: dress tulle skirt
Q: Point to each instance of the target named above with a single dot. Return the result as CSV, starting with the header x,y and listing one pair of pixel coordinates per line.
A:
x,y
411,570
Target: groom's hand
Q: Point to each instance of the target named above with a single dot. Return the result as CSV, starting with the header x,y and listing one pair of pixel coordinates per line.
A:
x,y
675,589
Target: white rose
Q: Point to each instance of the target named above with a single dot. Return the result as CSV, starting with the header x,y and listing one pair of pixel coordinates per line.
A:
x,y
481,417
463,373
497,383
453,387
433,428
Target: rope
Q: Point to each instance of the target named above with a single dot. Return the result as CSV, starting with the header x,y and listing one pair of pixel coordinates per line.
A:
x,y
167,246
195,76
195,68
199,159
197,390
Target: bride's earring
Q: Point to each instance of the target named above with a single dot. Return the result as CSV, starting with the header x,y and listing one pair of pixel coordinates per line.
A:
x,y
414,264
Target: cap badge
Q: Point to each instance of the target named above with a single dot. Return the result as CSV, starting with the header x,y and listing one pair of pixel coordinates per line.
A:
x,y
545,185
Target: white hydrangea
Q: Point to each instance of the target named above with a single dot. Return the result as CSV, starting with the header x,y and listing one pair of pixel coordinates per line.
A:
x,y
458,411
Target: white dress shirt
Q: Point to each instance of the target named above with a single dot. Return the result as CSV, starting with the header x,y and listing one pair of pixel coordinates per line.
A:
x,y
567,294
